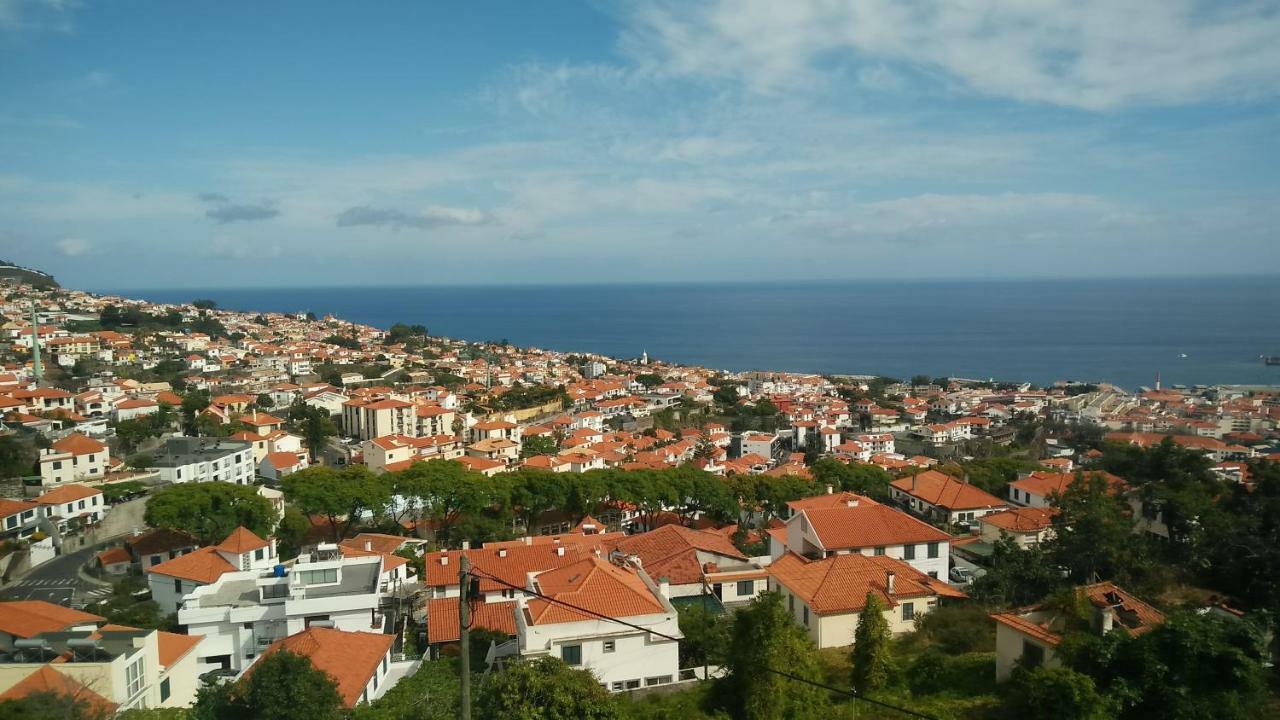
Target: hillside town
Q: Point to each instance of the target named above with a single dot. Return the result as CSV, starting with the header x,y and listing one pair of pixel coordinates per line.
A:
x,y
194,495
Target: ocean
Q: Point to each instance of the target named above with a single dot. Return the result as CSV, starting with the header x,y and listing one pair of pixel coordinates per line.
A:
x,y
1191,331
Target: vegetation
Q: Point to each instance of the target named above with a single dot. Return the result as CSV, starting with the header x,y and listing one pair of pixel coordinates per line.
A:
x,y
766,637
545,689
871,662
282,686
431,693
340,496
314,424
210,511
129,604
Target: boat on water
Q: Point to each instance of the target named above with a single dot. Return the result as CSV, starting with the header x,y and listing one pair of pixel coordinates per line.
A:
x,y
1271,359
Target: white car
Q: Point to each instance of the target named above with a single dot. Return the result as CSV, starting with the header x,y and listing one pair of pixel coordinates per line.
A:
x,y
961,575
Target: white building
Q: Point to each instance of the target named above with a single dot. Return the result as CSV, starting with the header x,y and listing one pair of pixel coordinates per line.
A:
x,y
357,662
188,459
621,658
866,527
74,458
243,612
172,580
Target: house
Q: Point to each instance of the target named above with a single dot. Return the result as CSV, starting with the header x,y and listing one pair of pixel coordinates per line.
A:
x,y
943,498
202,459
827,596
74,458
72,505
172,580
18,519
134,408
1037,489
243,612
357,662
504,568
565,623
279,464
1028,526
114,561
696,562
155,546
867,529
112,667
1030,636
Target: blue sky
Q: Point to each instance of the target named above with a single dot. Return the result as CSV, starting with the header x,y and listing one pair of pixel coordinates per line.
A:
x,y
150,144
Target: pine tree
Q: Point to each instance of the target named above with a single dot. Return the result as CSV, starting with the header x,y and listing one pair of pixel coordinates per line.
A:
x,y
872,664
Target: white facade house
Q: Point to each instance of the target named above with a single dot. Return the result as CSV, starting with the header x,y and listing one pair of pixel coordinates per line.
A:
x,y
172,580
621,658
188,459
74,458
243,612
868,528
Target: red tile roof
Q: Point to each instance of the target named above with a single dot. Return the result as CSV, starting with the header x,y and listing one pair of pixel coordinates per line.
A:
x,y
240,541
78,444
840,583
671,551
47,680
942,490
27,618
593,584
350,658
512,564
442,618
203,566
841,528
1021,519
1045,484
67,493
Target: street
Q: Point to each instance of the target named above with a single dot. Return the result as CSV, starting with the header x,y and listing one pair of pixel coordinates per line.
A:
x,y
58,581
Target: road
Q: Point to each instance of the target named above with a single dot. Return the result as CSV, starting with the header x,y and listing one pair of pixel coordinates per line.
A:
x,y
58,581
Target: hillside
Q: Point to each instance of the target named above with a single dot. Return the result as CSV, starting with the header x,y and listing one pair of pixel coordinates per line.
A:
x,y
12,272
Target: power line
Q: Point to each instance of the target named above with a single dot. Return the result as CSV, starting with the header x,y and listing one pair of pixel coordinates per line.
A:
x,y
780,673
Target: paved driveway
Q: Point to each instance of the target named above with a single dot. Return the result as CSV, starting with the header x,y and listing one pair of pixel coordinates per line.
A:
x,y
58,581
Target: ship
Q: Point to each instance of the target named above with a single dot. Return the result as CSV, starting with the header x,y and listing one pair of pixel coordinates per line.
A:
x,y
1271,359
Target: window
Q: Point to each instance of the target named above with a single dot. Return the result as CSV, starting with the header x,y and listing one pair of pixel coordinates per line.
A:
x,y
617,686
880,550
633,684
610,646
164,689
908,611
746,587
1032,655
659,680
571,654
908,552
177,586
259,553
313,619
791,603
134,677
806,616
57,464
933,550
316,577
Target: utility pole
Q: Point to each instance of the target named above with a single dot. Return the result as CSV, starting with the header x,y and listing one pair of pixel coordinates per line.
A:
x,y
464,636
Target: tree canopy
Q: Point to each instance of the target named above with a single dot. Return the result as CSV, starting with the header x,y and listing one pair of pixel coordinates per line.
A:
x,y
281,686
765,637
340,496
545,689
210,511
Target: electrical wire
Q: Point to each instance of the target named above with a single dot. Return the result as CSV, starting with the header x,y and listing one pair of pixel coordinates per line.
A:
x,y
780,673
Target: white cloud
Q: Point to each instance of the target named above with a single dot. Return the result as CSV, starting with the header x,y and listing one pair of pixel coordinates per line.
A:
x,y
73,247
1092,54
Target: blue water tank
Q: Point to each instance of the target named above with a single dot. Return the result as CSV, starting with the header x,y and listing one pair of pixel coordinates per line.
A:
x,y
280,571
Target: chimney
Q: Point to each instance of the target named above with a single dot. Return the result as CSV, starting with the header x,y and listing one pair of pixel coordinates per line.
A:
x,y
444,559
830,489
1104,619
560,551
889,577
913,479
664,587
368,545
502,552
528,540
466,544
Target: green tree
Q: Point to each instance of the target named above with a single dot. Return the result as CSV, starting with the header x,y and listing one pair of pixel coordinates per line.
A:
x,y
765,638
192,403
1093,534
17,456
341,496
650,380
1017,576
1057,693
204,304
537,445
871,662
869,480
545,689
210,511
291,533
281,686
706,635
52,706
132,433
123,607
431,693
314,424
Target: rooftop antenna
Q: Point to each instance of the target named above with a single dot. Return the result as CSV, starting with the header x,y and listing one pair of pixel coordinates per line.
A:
x,y
36,369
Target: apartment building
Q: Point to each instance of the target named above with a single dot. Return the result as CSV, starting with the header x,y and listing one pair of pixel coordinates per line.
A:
x,y
191,459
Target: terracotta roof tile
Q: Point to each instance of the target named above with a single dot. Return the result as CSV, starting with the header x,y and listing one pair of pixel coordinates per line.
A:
x,y
350,658
841,528
47,680
27,618
942,490
203,566
840,583
671,551
595,585
242,540
442,618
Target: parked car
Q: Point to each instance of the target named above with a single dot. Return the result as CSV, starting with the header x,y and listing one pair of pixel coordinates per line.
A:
x,y
961,575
